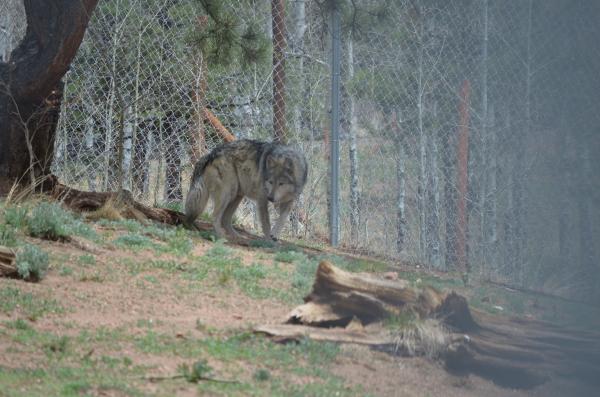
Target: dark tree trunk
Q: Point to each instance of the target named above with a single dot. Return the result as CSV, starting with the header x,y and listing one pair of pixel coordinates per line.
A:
x,y
31,89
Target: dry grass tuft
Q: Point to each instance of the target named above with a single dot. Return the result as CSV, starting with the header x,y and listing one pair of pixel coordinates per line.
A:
x,y
109,210
422,338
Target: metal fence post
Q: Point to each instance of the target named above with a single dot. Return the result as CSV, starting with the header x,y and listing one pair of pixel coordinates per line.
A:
x,y
335,124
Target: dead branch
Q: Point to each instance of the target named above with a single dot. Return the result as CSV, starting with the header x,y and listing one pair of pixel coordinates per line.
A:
x,y
218,126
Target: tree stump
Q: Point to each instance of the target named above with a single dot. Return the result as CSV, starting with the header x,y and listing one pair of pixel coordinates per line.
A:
x,y
350,308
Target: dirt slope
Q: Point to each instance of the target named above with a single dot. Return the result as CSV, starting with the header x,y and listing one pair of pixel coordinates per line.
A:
x,y
144,302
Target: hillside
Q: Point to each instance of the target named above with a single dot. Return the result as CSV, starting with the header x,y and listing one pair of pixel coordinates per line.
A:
x,y
130,309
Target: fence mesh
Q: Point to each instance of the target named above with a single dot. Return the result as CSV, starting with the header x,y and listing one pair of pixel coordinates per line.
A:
x,y
449,118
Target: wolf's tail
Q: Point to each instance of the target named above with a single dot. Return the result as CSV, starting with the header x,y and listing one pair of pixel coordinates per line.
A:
x,y
198,195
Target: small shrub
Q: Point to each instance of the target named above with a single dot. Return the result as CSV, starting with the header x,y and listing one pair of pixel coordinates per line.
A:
x,y
57,344
32,263
304,275
49,221
262,375
65,271
198,371
8,235
16,216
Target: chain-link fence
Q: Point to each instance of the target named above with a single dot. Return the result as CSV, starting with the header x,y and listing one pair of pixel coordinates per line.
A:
x,y
456,117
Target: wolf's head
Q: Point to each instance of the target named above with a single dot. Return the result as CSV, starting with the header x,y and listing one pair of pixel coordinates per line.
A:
x,y
283,175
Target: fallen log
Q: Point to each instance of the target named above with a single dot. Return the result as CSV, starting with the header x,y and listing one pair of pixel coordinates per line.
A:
x,y
123,202
339,296
514,353
7,262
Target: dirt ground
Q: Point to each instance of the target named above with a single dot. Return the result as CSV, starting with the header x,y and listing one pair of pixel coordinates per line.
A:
x,y
129,314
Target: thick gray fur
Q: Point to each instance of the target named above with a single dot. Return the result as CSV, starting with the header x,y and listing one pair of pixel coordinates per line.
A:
x,y
261,171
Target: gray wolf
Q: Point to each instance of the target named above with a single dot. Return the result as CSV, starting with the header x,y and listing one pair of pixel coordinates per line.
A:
x,y
264,172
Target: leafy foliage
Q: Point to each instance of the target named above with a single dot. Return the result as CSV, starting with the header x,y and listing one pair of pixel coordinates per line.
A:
x,y
49,221
15,216
225,38
32,263
8,236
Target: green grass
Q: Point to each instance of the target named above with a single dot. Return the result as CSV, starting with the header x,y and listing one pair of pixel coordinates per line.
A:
x,y
87,377
304,358
12,299
179,243
86,260
134,242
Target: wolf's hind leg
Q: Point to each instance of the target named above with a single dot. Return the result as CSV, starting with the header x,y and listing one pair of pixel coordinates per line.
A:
x,y
228,216
221,200
284,210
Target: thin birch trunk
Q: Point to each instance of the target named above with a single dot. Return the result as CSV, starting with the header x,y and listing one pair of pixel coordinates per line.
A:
x,y
354,208
400,157
422,148
128,128
90,126
484,150
433,200
140,163
298,10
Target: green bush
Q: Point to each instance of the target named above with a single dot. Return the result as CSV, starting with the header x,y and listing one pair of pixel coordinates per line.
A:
x,y
15,216
32,263
8,235
49,221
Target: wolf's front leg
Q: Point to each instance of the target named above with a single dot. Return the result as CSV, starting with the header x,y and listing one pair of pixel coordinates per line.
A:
x,y
284,210
263,215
